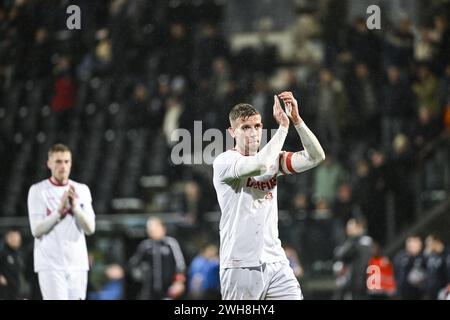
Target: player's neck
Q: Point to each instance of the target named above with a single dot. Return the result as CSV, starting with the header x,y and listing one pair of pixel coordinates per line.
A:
x,y
58,182
246,152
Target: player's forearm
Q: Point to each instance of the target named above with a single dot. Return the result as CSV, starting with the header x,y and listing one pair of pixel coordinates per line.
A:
x,y
86,222
310,143
45,225
258,164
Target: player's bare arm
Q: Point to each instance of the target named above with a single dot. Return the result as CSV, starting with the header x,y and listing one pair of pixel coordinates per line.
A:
x,y
313,153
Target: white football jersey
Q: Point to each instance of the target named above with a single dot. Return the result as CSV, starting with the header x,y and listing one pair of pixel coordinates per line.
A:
x,y
249,220
64,247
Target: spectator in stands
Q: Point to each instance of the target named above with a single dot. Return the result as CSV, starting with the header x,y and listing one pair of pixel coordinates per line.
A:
x,y
364,103
440,37
12,279
447,118
294,261
400,182
301,206
203,275
444,86
65,94
139,113
425,129
399,44
327,178
158,264
426,90
209,46
344,206
437,266
409,268
381,282
331,110
177,57
363,194
171,122
376,213
423,46
39,62
363,44
113,288
444,294
321,234
396,105
351,260
192,203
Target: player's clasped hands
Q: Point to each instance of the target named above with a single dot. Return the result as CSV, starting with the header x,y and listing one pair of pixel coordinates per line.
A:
x,y
68,201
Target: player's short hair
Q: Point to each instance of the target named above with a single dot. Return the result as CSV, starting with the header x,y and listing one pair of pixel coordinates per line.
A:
x,y
242,110
59,147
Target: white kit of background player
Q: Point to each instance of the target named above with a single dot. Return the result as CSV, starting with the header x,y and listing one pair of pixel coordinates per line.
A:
x,y
253,264
60,213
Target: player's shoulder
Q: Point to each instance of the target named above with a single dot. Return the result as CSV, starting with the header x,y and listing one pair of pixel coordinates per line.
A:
x,y
78,185
40,185
226,157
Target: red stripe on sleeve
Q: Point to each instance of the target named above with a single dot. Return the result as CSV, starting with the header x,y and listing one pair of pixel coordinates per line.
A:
x,y
289,162
280,158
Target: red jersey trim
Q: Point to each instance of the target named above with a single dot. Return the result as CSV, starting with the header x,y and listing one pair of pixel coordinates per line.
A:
x,y
57,184
289,163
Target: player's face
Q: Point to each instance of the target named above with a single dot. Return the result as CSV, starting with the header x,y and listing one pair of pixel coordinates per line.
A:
x,y
247,133
60,164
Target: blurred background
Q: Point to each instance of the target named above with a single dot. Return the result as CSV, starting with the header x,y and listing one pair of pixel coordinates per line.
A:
x,y
114,91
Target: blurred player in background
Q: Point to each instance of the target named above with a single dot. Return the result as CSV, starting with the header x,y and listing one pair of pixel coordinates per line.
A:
x,y
159,264
60,212
253,265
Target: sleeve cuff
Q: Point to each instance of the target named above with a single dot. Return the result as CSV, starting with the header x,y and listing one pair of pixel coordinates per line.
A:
x,y
77,209
301,126
283,129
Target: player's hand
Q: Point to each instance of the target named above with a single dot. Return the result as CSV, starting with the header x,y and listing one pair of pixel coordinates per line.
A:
x,y
279,114
291,107
64,205
176,290
72,196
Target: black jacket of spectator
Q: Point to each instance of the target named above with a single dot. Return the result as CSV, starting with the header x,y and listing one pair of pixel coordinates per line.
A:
x,y
355,253
409,275
158,262
438,274
11,268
